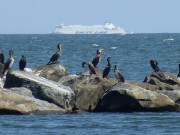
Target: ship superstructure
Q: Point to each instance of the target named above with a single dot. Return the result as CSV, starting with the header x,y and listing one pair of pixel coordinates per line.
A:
x,y
107,28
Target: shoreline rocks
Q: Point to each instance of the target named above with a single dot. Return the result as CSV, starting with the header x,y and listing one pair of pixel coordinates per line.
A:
x,y
50,89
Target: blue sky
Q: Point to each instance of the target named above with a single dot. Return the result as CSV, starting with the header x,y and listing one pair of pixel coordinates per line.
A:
x,y
40,16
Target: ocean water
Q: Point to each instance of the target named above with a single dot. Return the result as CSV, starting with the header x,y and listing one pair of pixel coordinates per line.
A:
x,y
130,52
92,124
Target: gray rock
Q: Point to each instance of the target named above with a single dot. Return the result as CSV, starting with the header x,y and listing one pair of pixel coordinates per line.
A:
x,y
41,88
69,80
22,91
173,94
12,103
51,72
147,86
89,90
1,83
131,97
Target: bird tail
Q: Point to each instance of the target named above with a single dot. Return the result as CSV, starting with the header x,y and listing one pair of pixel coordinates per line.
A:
x,y
49,63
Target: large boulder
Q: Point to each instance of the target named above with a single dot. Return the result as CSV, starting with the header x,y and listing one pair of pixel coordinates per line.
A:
x,y
163,80
131,97
89,90
41,88
12,103
173,94
51,72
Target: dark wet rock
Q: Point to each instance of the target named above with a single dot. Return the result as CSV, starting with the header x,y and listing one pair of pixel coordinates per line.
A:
x,y
89,90
1,69
163,80
41,88
130,97
51,72
12,103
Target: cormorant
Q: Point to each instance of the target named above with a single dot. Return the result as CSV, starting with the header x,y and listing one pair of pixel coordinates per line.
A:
x,y
179,72
55,57
107,68
9,62
92,70
1,57
154,65
118,75
96,60
22,63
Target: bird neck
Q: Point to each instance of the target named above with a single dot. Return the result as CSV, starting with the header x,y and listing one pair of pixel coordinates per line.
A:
x,y
98,55
109,64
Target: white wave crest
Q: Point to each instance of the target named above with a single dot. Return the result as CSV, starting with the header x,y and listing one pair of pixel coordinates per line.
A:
x,y
168,39
113,47
95,45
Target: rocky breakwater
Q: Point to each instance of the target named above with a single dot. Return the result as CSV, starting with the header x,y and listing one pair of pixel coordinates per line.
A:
x,y
50,88
42,88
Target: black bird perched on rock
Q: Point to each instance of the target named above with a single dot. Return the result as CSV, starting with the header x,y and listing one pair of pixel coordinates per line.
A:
x,y
118,75
107,68
92,69
96,60
179,72
9,62
1,57
55,57
154,65
22,63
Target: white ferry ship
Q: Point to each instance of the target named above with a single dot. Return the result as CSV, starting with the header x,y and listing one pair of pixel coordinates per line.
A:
x,y
107,28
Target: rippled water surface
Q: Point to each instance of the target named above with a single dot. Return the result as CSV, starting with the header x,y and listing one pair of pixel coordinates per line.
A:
x,y
130,52
92,124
